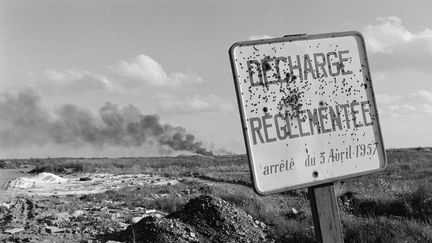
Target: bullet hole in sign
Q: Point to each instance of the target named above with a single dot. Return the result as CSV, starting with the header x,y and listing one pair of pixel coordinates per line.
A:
x,y
315,174
266,66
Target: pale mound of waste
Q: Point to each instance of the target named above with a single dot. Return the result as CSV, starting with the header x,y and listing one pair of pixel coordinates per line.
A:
x,y
38,180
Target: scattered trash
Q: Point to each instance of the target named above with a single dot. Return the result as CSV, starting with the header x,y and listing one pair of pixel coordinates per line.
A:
x,y
53,229
5,206
295,214
150,211
14,230
135,220
49,184
78,213
57,219
39,180
202,219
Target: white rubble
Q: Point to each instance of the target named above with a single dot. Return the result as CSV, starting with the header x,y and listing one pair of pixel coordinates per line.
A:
x,y
46,184
39,180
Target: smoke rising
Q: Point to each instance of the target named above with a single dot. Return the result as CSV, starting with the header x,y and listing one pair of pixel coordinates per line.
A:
x,y
23,122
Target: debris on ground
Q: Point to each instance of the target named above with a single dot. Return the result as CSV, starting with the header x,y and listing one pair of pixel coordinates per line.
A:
x,y
53,229
203,219
13,231
219,221
78,213
37,219
50,184
57,219
92,218
39,180
153,229
295,214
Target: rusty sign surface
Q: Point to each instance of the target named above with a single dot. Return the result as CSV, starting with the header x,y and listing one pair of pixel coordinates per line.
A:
x,y
308,110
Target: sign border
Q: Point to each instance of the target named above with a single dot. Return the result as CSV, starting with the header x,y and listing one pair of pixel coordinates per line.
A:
x,y
292,38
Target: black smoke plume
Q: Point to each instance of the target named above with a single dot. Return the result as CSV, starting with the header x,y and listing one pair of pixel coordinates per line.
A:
x,y
24,122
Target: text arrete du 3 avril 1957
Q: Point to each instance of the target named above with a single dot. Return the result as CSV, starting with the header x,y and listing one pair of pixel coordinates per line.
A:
x,y
352,115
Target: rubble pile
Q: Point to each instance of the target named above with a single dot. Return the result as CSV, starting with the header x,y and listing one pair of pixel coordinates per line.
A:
x,y
219,221
50,184
41,180
203,219
160,230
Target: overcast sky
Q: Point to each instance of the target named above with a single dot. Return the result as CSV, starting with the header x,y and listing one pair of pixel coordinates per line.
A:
x,y
170,58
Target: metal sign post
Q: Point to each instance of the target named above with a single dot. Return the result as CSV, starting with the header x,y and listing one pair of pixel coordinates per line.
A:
x,y
309,116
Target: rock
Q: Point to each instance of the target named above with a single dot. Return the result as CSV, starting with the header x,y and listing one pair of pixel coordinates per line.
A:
x,y
13,231
5,205
58,219
295,214
78,213
114,216
135,220
123,225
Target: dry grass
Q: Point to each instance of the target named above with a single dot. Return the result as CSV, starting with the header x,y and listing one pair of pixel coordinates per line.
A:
x,y
391,206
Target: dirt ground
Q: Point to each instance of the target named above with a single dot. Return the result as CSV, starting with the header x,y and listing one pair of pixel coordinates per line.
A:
x,y
80,184
167,198
90,208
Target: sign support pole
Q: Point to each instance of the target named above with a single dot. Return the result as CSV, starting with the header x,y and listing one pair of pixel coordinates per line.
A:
x,y
268,94
325,213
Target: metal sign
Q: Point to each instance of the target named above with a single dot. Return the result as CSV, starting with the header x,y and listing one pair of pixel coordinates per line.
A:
x,y
308,110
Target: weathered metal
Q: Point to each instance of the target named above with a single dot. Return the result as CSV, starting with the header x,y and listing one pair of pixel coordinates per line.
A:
x,y
308,110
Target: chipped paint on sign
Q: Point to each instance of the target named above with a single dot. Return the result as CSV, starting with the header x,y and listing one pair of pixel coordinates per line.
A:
x,y
308,110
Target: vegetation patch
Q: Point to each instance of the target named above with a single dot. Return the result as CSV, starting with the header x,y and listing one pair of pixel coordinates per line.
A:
x,y
412,205
391,206
383,229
